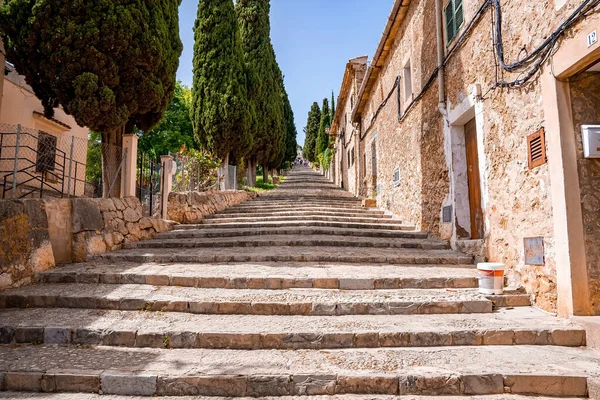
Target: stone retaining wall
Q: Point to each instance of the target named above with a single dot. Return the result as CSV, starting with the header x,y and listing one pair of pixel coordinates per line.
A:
x,y
192,207
37,234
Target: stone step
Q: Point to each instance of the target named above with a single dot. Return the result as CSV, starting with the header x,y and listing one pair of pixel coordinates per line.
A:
x,y
185,232
218,219
292,241
268,276
283,210
295,213
527,326
290,254
304,199
91,396
295,206
440,371
313,223
248,301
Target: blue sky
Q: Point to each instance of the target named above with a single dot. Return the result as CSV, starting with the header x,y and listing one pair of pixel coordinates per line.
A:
x,y
313,40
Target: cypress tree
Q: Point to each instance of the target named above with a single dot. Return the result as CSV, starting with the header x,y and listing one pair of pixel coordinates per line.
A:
x,y
109,64
323,137
332,106
264,84
312,130
290,129
221,113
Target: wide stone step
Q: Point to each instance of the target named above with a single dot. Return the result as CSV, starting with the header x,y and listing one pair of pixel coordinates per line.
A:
x,y
527,326
298,213
290,254
248,301
218,219
440,371
296,206
295,223
185,232
307,199
291,240
268,276
90,396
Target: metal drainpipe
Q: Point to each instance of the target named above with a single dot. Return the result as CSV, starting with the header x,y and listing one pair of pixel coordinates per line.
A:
x,y
439,22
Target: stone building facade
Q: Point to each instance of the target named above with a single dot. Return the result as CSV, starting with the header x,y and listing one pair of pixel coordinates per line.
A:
x,y
444,138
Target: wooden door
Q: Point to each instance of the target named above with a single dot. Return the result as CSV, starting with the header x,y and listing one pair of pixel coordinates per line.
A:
x,y
474,180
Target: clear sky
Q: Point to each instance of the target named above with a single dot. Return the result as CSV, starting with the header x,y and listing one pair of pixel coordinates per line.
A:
x,y
313,40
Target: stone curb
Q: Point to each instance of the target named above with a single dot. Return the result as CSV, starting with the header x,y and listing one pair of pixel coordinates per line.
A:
x,y
272,282
279,224
144,384
197,231
416,244
225,258
308,340
249,308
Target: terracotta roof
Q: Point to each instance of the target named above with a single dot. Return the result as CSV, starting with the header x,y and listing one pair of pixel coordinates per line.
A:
x,y
349,74
41,115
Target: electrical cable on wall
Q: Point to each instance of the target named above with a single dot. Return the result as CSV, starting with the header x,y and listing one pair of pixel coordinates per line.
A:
x,y
534,60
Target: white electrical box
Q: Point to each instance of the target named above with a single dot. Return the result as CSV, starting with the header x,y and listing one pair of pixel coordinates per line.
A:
x,y
591,141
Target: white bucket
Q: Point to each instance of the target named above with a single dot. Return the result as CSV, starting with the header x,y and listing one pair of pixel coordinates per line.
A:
x,y
491,278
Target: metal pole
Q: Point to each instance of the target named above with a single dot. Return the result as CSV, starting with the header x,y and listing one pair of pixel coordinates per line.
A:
x,y
151,189
70,166
125,184
14,182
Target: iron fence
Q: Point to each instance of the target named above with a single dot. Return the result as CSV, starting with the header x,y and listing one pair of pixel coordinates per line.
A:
x,y
148,183
35,163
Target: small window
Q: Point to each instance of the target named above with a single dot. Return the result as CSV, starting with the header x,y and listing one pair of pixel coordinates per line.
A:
x,y
349,158
397,177
352,157
407,75
454,18
536,148
46,152
346,119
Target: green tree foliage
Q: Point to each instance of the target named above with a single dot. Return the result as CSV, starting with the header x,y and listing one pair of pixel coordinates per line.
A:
x,y
332,106
175,130
291,145
312,130
111,64
264,81
221,114
325,123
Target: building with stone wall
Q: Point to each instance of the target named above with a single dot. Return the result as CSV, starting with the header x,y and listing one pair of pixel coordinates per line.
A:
x,y
488,156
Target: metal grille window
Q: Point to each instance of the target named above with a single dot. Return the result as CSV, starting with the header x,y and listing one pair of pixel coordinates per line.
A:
x,y
397,177
46,152
454,18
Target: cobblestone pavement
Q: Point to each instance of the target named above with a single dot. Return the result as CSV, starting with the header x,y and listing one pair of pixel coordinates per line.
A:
x,y
297,292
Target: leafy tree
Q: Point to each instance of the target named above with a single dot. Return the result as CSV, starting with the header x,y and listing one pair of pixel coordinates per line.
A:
x,y
111,64
312,130
221,114
264,84
290,129
175,129
325,123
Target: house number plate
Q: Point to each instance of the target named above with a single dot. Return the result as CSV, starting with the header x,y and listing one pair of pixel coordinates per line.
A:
x,y
592,38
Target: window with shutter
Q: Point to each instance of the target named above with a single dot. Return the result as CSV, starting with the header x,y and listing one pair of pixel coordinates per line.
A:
x,y
455,17
536,147
46,152
397,177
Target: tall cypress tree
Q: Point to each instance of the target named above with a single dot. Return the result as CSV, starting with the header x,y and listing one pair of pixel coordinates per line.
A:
x,y
264,85
323,137
312,130
332,106
220,111
290,129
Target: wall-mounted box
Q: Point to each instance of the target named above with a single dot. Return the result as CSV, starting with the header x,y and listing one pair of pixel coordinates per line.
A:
x,y
591,141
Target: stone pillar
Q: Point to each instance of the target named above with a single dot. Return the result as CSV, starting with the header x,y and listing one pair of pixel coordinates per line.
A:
x,y
571,266
166,183
129,174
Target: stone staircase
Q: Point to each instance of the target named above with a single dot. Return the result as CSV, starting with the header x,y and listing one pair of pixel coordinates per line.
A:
x,y
299,292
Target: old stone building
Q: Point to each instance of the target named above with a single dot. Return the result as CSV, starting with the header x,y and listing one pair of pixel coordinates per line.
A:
x,y
468,123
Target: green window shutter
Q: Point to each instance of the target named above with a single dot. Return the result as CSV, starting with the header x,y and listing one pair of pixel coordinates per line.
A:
x,y
459,16
449,21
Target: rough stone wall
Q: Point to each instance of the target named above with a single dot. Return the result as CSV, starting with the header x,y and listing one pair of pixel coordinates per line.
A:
x,y
33,231
192,207
25,247
585,101
516,201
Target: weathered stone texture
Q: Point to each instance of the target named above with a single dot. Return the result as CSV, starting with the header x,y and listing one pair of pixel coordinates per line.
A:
x,y
192,207
585,102
25,247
